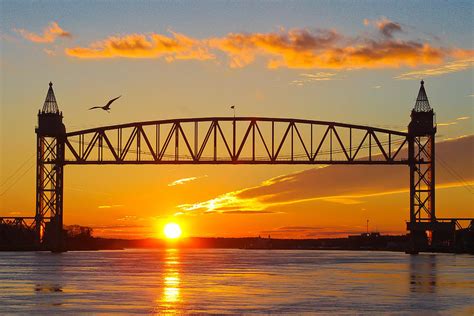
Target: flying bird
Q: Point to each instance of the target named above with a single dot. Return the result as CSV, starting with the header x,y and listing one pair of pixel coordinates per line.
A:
x,y
105,107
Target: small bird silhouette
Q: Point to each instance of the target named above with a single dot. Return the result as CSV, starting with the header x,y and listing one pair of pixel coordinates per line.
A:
x,y
105,107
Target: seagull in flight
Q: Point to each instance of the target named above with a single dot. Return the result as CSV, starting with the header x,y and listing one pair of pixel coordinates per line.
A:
x,y
105,107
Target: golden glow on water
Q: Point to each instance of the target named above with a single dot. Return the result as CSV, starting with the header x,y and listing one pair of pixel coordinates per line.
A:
x,y
171,281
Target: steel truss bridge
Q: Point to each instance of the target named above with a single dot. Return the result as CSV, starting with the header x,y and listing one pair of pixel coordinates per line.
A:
x,y
233,140
239,140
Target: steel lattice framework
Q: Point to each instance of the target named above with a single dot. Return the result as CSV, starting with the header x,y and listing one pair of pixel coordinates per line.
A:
x,y
49,183
27,223
240,140
423,186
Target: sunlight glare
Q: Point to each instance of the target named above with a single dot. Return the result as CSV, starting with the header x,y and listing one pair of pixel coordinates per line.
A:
x,y
172,230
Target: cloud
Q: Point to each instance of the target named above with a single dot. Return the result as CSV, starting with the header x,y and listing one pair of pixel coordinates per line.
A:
x,y
377,87
450,67
110,206
300,48
326,49
128,218
50,34
184,180
7,37
308,78
387,27
342,184
463,118
49,52
447,124
225,203
175,47
293,48
248,212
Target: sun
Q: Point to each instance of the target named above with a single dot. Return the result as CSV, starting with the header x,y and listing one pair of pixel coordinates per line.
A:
x,y
172,231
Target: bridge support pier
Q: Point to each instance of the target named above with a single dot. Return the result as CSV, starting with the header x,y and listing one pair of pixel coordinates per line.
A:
x,y
51,134
421,159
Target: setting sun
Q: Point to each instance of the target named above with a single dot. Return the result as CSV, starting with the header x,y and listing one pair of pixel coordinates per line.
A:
x,y
172,231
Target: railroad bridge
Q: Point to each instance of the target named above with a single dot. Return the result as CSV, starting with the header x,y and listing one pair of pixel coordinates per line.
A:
x,y
234,140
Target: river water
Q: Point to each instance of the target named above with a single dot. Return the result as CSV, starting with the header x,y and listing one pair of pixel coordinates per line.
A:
x,y
220,281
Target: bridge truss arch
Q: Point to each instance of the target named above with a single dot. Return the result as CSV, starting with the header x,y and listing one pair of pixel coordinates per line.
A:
x,y
239,140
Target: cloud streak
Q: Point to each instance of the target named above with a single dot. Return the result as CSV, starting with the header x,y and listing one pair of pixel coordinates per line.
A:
x,y
110,206
309,78
450,67
50,34
300,48
462,118
184,180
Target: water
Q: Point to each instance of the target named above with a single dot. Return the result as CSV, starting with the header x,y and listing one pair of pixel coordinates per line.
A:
x,y
236,282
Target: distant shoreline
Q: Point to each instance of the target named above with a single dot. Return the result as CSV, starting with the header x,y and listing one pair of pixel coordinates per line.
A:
x,y
362,242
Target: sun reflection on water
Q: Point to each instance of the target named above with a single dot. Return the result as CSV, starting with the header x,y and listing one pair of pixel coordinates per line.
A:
x,y
171,281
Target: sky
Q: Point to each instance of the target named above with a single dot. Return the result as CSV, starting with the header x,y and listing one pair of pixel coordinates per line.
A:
x,y
346,61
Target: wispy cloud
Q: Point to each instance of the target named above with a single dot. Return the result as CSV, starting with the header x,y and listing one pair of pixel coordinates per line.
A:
x,y
309,77
50,34
49,52
185,180
229,202
377,87
462,118
127,218
7,37
110,206
301,48
447,124
450,67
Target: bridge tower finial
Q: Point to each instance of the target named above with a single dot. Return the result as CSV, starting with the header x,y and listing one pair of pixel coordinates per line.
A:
x,y
422,104
50,105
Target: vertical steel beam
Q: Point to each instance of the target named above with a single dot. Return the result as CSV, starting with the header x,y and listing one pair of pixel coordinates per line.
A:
x,y
412,166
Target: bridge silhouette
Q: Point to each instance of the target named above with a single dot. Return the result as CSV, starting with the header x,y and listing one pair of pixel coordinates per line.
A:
x,y
235,140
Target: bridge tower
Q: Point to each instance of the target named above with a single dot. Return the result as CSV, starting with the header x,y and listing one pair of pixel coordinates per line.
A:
x,y
421,158
50,139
